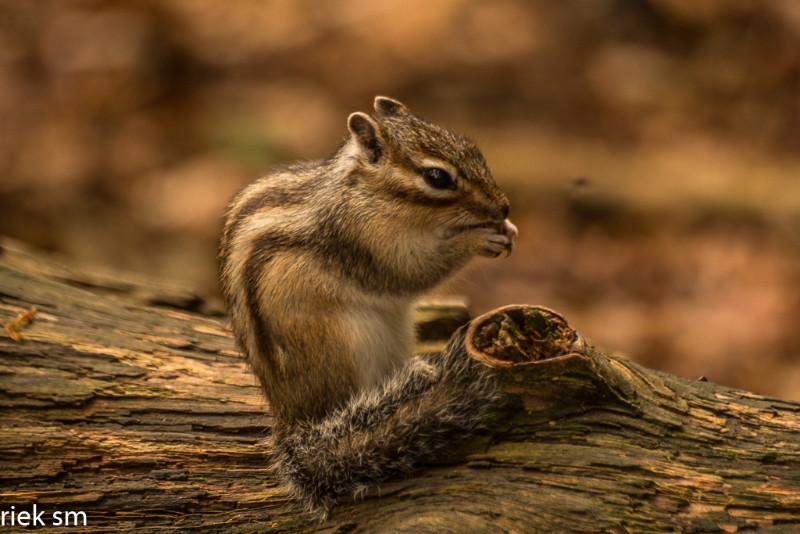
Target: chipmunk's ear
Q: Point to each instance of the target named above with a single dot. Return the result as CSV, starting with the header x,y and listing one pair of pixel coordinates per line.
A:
x,y
364,129
387,107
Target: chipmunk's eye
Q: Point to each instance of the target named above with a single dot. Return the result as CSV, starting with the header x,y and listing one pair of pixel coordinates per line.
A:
x,y
438,178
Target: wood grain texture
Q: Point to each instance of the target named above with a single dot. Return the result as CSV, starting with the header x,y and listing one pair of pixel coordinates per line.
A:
x,y
126,399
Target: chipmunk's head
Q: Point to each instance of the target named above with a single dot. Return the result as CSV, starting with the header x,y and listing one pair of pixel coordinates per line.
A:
x,y
435,177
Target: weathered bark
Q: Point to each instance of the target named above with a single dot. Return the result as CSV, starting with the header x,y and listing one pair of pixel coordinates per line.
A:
x,y
118,404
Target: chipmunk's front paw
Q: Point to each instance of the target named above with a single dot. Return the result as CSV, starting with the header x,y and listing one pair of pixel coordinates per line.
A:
x,y
499,239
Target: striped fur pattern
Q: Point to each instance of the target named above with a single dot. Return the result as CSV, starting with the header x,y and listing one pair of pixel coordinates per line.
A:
x,y
321,262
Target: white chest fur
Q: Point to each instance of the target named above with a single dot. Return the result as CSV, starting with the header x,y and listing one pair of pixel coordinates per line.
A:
x,y
381,337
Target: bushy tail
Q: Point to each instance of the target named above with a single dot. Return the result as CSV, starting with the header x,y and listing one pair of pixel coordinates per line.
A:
x,y
431,403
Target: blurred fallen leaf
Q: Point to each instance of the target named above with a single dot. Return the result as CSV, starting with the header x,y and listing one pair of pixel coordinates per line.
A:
x,y
15,325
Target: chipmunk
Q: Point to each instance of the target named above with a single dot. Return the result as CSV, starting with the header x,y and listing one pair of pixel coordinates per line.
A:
x,y
321,265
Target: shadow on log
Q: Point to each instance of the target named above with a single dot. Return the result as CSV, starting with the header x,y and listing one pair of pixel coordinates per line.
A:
x,y
126,400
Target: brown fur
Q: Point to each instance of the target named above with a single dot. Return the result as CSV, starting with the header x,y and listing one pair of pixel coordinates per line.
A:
x,y
321,261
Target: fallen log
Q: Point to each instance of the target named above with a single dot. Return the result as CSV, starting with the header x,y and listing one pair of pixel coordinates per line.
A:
x,y
126,401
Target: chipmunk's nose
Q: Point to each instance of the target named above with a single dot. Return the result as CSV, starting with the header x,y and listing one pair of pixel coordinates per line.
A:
x,y
497,212
500,214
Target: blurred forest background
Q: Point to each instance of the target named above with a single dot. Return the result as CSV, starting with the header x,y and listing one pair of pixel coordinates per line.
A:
x,y
650,148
